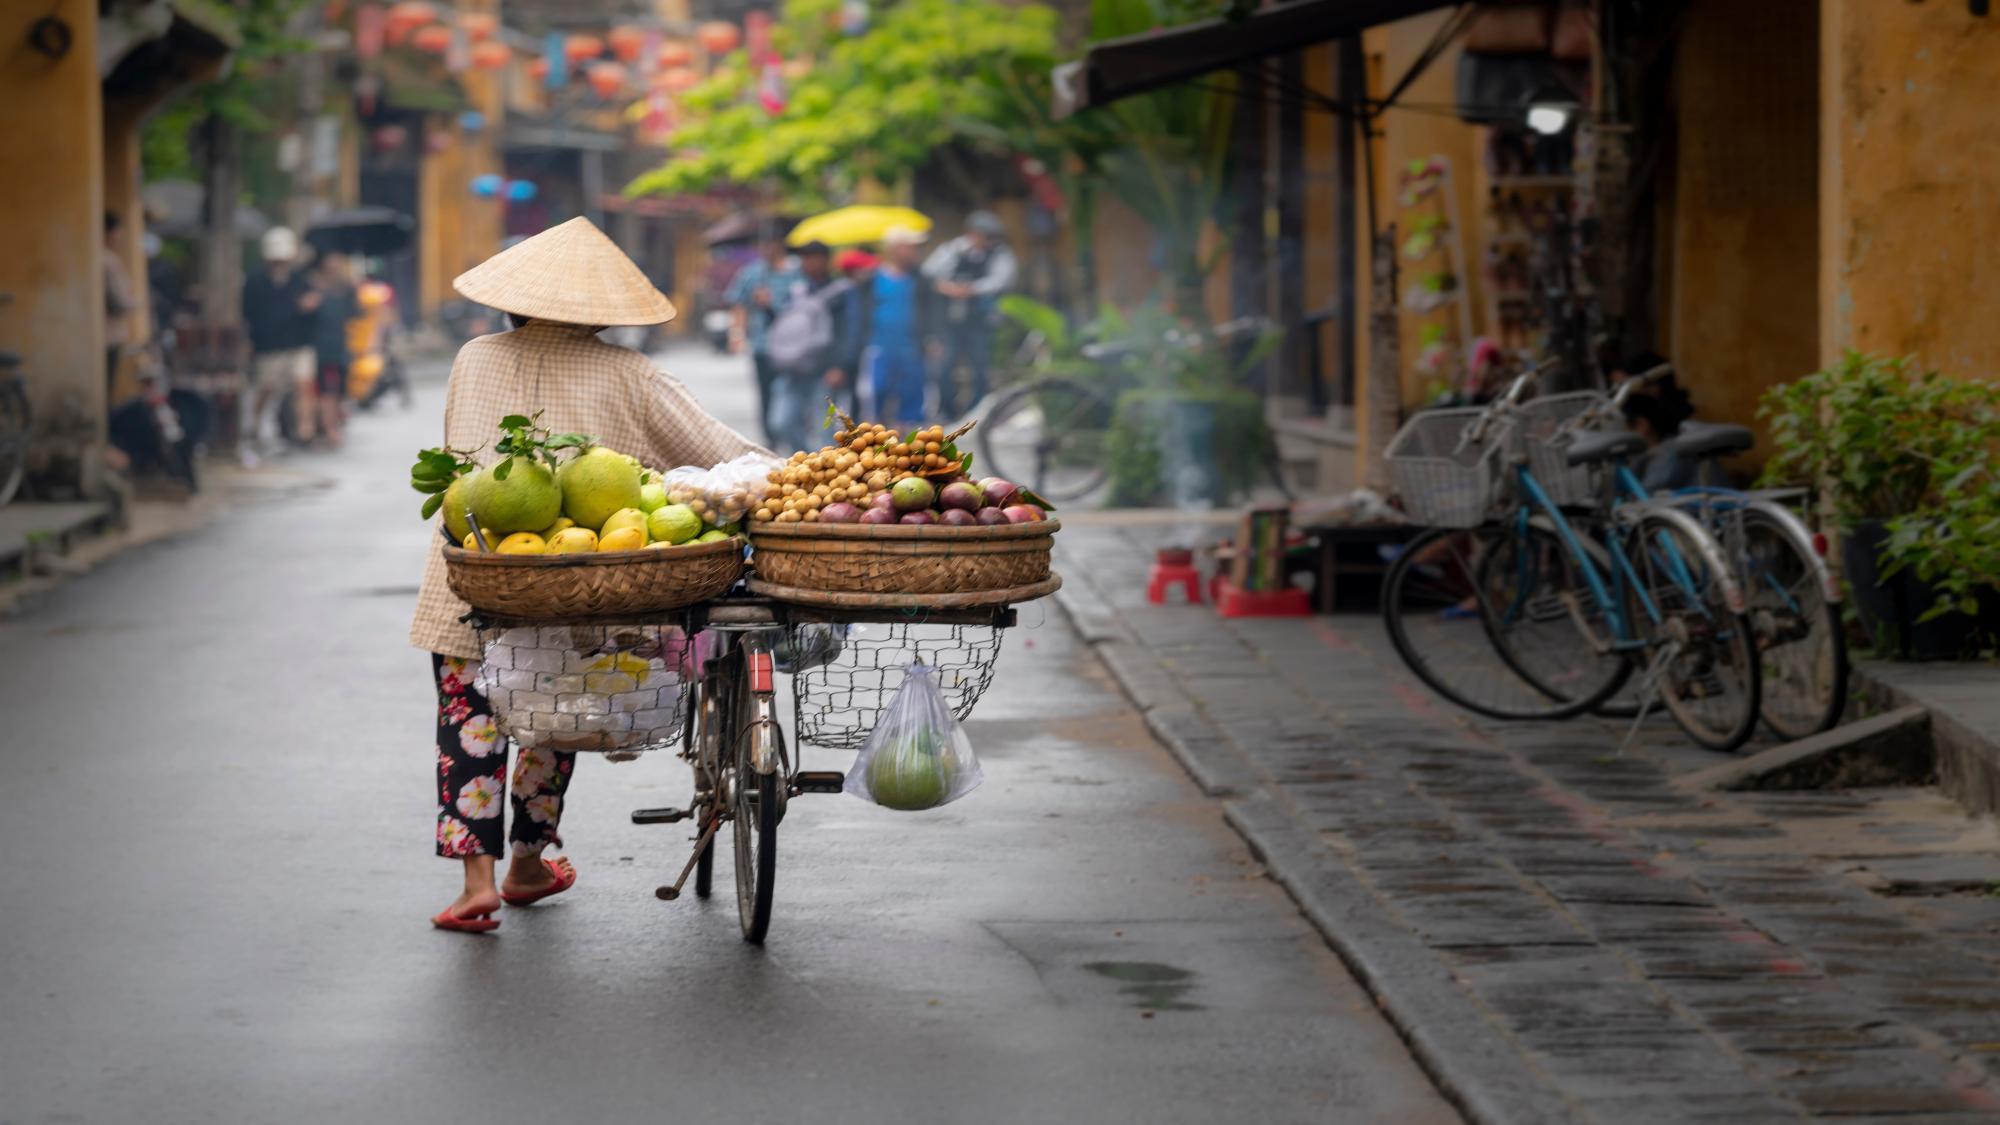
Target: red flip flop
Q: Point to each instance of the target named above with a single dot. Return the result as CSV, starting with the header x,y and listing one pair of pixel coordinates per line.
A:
x,y
565,874
478,924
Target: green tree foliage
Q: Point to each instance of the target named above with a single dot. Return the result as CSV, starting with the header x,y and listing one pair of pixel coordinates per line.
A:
x,y
924,74
237,97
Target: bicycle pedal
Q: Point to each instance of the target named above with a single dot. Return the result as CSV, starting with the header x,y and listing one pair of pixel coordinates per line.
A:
x,y
819,781
658,816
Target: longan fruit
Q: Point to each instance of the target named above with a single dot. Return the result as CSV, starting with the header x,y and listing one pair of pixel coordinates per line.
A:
x,y
810,516
788,516
762,515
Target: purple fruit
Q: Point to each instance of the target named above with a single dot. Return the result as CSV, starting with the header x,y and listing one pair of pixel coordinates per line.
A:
x,y
878,515
1020,513
962,494
990,516
882,499
918,517
913,494
998,492
958,517
840,512
1040,513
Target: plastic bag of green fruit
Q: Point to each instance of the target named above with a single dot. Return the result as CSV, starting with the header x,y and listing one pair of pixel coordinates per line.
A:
x,y
917,757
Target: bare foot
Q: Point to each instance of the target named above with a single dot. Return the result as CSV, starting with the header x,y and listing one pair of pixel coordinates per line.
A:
x,y
528,874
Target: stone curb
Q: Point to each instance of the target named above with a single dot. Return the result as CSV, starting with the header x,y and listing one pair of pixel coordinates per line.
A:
x,y
1462,1049
1459,1047
1892,748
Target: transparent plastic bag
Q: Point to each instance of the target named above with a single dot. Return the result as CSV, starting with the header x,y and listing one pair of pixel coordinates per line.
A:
x,y
918,756
724,494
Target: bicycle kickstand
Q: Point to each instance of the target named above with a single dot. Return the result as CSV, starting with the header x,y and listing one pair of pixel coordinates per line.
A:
x,y
1649,690
670,893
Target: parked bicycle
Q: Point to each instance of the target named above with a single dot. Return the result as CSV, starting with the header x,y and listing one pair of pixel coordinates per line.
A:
x,y
1572,601
17,417
1793,596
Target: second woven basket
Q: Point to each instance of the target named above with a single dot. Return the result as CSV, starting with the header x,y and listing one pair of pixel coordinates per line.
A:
x,y
901,558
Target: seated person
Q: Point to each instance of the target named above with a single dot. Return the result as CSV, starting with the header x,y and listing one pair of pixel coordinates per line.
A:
x,y
1665,468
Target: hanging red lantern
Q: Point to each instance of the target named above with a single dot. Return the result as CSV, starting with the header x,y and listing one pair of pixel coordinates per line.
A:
x,y
479,26
411,14
577,48
678,80
432,40
672,54
718,37
606,79
538,69
626,43
491,56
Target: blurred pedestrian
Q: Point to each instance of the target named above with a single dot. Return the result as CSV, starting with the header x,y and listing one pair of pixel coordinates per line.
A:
x,y
814,345
970,272
332,279
757,296
120,302
278,302
897,308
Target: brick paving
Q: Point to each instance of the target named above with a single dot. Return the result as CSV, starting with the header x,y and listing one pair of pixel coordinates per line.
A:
x,y
1644,952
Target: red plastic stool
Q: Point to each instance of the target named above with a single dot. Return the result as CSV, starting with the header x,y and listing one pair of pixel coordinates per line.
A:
x,y
1173,566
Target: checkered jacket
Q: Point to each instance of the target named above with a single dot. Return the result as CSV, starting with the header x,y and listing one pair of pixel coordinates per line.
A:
x,y
581,385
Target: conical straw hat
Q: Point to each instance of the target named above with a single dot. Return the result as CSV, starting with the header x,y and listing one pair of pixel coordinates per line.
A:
x,y
570,273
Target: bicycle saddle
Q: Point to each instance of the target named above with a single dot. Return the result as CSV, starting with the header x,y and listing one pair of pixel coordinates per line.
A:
x,y
1712,439
1592,446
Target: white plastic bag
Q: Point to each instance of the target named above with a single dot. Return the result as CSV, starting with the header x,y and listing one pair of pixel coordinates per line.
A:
x,y
918,756
724,494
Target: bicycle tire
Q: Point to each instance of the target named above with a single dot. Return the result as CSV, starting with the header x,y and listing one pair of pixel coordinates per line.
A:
x,y
756,831
16,418
1711,687
1077,443
1803,687
1561,592
1449,647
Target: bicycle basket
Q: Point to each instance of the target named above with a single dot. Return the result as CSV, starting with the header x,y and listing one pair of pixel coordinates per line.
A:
x,y
837,703
1441,484
609,689
1547,453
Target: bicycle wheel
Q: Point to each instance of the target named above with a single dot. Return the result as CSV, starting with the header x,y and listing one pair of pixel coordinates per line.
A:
x,y
14,423
1546,621
1802,646
1047,435
755,797
1440,614
1710,686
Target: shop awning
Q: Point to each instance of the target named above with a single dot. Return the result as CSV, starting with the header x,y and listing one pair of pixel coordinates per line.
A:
x,y
1135,64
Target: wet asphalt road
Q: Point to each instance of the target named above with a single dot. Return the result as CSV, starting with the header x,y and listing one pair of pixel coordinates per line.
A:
x,y
217,829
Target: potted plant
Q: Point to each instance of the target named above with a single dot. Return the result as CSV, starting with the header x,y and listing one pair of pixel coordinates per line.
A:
x,y
1904,460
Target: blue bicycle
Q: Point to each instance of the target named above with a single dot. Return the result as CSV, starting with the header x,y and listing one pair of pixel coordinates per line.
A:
x,y
1522,602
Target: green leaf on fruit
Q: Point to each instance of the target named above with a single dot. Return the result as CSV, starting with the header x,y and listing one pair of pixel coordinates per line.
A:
x,y
516,422
432,505
501,471
1033,497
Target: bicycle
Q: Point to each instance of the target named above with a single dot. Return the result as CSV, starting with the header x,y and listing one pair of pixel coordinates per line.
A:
x,y
1794,599
1569,616
17,419
1049,432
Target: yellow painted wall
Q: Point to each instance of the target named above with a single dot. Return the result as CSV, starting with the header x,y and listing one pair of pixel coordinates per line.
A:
x,y
1910,190
53,204
1743,305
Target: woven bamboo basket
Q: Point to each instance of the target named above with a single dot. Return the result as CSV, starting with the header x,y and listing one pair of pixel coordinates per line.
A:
x,y
593,585
909,560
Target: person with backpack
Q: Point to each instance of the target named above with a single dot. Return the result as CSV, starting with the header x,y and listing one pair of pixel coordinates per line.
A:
x,y
814,345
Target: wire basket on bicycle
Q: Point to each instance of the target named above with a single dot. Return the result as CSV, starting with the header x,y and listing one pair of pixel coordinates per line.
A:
x,y
838,702
1445,477
1542,429
616,689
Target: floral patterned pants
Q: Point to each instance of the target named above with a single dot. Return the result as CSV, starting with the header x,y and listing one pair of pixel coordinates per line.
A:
x,y
472,774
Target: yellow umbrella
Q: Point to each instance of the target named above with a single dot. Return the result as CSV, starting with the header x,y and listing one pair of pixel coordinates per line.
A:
x,y
847,226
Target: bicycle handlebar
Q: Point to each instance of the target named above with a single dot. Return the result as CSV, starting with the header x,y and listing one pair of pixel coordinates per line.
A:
x,y
1650,375
1506,400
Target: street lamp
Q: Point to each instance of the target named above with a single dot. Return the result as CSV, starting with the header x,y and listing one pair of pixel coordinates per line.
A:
x,y
1550,110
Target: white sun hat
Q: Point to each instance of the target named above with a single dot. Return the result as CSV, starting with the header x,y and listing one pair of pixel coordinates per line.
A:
x,y
570,273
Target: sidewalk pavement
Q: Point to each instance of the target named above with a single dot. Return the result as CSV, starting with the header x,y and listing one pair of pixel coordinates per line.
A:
x,y
1560,931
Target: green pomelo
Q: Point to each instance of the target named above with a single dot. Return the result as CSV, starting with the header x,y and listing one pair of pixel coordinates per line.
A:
x,y
907,778
675,523
713,536
597,483
528,500
652,497
454,506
